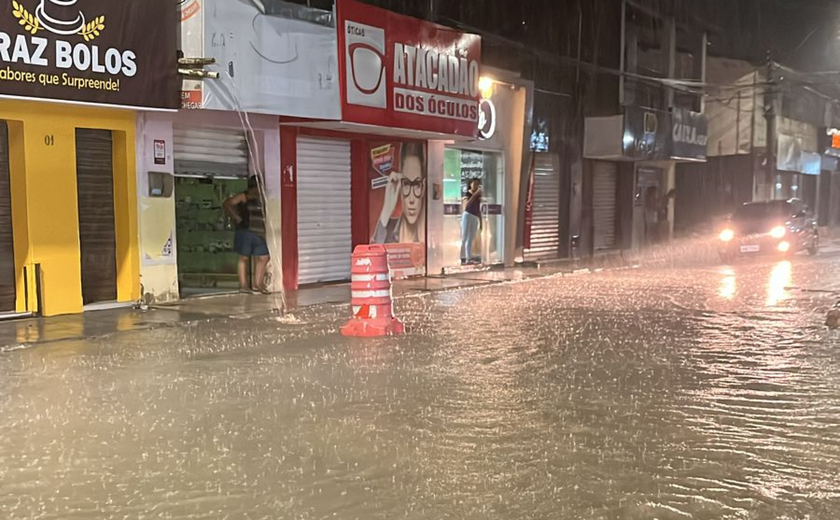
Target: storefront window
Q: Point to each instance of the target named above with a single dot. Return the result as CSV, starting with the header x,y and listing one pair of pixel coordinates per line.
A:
x,y
460,167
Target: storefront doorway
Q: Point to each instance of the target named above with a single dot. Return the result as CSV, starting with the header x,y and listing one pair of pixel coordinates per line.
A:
x,y
7,253
324,203
545,228
97,229
461,166
210,166
648,206
604,181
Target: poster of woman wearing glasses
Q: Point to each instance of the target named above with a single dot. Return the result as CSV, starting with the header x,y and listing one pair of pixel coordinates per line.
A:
x,y
398,204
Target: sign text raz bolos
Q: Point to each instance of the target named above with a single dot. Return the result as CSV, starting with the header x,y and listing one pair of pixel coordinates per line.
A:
x,y
94,51
406,73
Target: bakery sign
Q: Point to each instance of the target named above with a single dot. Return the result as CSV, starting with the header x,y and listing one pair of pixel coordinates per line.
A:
x,y
406,73
90,51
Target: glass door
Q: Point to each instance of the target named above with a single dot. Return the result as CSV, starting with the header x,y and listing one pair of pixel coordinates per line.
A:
x,y
453,191
460,167
492,209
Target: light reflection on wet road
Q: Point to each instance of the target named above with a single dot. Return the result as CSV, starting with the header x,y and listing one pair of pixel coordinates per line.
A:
x,y
688,393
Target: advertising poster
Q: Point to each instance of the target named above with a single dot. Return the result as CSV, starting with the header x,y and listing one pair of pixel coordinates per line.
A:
x,y
90,51
273,57
397,174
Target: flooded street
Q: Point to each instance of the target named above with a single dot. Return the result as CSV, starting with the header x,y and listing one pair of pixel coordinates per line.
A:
x,y
703,393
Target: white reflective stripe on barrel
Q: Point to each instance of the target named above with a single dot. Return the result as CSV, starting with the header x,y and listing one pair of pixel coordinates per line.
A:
x,y
370,277
357,295
372,311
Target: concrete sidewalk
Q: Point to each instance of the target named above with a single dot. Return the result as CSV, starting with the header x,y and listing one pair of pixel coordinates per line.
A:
x,y
25,332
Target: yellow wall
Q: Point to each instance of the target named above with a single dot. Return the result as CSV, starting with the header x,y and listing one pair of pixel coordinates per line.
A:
x,y
44,201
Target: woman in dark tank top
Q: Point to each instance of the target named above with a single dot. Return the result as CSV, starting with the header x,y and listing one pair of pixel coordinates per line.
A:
x,y
471,222
246,210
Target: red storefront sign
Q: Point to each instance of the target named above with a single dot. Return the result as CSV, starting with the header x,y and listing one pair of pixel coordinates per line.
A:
x,y
403,72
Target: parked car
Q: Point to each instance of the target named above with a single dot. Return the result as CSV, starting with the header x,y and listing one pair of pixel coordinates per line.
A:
x,y
779,227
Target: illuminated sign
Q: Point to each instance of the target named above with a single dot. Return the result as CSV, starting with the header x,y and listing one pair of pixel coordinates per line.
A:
x,y
486,119
540,141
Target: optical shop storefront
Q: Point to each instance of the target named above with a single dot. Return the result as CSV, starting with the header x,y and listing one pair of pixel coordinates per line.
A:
x,y
497,160
72,83
409,87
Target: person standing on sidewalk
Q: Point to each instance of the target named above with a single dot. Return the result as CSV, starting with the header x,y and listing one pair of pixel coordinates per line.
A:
x,y
249,241
470,221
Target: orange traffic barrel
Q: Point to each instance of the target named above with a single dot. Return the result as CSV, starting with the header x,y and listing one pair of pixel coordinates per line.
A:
x,y
371,298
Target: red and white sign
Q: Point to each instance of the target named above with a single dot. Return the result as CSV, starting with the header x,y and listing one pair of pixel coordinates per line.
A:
x,y
403,72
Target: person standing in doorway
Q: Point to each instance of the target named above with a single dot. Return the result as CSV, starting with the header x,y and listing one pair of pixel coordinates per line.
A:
x,y
470,222
249,241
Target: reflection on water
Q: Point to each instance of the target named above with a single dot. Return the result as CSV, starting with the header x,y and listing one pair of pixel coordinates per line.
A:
x,y
780,280
728,285
612,396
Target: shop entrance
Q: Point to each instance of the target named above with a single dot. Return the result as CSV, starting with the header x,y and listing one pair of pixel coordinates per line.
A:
x,y
7,253
650,212
324,204
545,227
460,166
210,166
97,230
603,205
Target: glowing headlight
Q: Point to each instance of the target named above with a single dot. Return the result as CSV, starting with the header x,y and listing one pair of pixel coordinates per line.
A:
x,y
784,247
727,235
778,232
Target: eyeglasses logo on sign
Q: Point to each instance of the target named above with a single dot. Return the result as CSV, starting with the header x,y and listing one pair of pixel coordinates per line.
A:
x,y
366,83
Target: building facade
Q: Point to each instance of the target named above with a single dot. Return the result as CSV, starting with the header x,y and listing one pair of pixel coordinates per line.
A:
x,y
393,170
271,60
67,149
770,138
633,157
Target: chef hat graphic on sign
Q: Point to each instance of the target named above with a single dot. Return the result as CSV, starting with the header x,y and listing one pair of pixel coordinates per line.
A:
x,y
60,16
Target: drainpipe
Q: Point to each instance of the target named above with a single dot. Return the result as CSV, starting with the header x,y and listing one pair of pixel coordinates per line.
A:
x,y
623,59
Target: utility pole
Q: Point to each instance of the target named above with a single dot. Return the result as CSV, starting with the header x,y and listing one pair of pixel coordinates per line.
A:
x,y
770,115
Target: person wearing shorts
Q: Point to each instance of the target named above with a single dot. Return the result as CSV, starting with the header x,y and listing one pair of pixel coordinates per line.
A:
x,y
249,241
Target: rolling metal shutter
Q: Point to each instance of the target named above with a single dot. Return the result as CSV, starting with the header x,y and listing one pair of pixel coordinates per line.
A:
x,y
7,252
203,152
323,196
603,204
97,233
545,230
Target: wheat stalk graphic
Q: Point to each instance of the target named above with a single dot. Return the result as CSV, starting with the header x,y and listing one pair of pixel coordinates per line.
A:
x,y
92,29
30,23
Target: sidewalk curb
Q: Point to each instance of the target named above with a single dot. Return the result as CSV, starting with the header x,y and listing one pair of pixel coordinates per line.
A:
x,y
624,264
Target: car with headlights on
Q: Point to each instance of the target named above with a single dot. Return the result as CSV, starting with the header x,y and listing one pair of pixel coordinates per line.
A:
x,y
778,227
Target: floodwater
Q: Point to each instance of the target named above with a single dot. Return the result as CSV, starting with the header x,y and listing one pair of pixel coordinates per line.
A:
x,y
705,393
